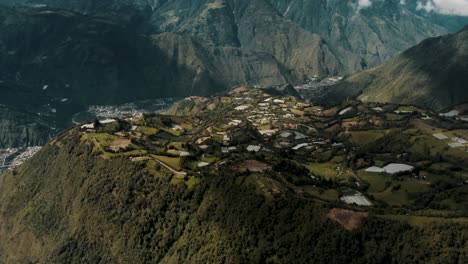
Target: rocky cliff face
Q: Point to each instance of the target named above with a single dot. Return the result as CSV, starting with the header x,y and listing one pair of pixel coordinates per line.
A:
x,y
111,51
19,128
360,38
94,60
50,56
322,37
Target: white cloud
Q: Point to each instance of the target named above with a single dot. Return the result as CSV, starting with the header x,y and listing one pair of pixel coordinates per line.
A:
x,y
364,3
446,7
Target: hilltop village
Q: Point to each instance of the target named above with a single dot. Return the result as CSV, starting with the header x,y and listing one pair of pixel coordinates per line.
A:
x,y
363,155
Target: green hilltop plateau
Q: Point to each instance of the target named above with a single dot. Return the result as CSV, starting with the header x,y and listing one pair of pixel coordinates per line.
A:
x,y
246,177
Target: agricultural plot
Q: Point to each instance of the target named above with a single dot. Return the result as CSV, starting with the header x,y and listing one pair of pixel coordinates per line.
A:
x,y
147,130
365,137
377,182
173,162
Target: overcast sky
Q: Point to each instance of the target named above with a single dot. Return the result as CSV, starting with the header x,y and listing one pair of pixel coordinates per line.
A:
x,y
446,7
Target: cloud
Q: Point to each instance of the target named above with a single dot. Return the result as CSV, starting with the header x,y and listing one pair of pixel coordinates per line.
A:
x,y
446,7
364,3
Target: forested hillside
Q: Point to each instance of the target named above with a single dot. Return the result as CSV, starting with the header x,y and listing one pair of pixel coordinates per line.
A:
x,y
77,201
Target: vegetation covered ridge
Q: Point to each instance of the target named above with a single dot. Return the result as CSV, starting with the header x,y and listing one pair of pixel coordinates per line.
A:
x,y
245,177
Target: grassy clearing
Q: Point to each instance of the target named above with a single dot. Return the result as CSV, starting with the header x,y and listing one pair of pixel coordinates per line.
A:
x,y
103,139
377,182
400,197
329,195
209,159
175,181
177,145
365,137
100,141
394,198
133,153
264,127
379,163
151,167
327,170
394,117
192,181
172,131
410,108
422,221
186,125
173,162
423,143
147,130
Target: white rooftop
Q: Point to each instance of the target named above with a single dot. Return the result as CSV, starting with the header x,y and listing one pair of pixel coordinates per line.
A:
x,y
107,121
88,126
299,146
242,107
267,132
203,164
450,114
391,168
397,168
300,135
254,148
184,153
375,169
358,199
456,145
459,140
346,110
378,109
440,136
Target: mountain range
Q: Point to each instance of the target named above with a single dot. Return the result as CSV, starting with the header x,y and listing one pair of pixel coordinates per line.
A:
x,y
347,37
433,74
370,167
59,57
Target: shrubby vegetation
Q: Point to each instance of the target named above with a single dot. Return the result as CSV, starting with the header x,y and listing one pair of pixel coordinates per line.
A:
x,y
92,210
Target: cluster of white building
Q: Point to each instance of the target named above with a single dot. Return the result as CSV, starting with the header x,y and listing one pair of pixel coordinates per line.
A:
x,y
24,156
455,142
392,168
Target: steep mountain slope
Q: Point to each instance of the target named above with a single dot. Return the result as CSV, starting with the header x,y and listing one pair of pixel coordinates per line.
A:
x,y
253,25
20,128
64,61
360,38
90,59
127,50
355,38
432,74
78,201
451,22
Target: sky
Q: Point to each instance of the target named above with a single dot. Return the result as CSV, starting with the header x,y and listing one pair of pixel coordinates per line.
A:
x,y
446,7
